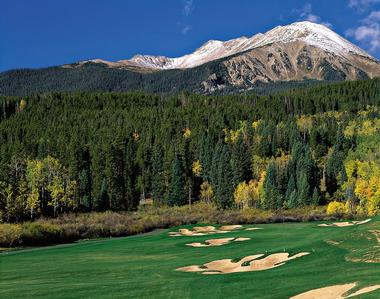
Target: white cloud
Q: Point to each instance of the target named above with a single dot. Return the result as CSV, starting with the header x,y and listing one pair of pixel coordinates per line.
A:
x,y
306,14
187,10
373,17
362,4
368,34
188,7
185,29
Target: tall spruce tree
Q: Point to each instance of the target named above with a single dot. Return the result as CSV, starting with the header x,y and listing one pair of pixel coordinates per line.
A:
x,y
158,175
272,197
103,202
225,186
116,173
316,197
215,164
131,174
290,189
85,189
303,189
177,195
205,156
240,162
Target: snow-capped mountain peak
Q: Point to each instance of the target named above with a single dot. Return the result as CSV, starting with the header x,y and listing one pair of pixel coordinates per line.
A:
x,y
315,35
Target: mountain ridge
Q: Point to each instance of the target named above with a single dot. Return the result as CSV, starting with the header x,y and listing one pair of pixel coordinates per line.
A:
x,y
313,34
299,52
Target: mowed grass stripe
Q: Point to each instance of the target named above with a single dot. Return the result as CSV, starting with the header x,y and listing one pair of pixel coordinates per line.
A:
x,y
144,266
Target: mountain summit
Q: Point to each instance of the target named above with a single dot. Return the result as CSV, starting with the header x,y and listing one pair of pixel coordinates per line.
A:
x,y
286,55
311,34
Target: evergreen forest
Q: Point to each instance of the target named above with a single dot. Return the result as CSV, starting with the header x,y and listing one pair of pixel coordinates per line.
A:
x,y
96,151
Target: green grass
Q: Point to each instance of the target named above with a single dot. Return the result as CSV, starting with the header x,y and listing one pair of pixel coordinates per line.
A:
x,y
144,266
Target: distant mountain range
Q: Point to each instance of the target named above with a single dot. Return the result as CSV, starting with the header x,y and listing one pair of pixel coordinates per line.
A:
x,y
299,52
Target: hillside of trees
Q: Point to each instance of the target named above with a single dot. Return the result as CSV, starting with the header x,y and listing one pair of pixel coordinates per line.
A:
x,y
82,152
99,78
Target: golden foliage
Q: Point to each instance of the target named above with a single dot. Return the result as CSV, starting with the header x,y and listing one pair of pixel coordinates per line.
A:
x,y
305,123
136,136
206,193
22,105
255,124
247,195
197,168
336,208
186,133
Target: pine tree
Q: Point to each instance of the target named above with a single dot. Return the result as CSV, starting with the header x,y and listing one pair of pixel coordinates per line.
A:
x,y
240,162
315,198
177,195
131,174
205,156
291,188
293,200
303,189
85,189
116,175
225,188
272,197
187,162
215,165
158,175
102,203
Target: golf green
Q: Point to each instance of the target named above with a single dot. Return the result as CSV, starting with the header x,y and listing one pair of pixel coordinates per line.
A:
x,y
145,266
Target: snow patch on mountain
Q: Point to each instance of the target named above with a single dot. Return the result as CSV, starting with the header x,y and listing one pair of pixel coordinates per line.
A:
x,y
316,35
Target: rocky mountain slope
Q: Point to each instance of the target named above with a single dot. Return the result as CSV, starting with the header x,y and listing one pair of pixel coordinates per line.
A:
x,y
293,53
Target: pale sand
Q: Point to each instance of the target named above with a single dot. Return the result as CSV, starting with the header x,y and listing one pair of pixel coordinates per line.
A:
x,y
217,242
246,264
230,227
335,292
253,228
205,230
345,224
365,291
332,242
241,239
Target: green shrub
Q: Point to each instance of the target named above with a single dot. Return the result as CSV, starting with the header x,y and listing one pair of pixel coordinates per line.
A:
x,y
10,234
36,233
73,227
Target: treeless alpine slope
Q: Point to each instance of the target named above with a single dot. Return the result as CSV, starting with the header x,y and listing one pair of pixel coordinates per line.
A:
x,y
145,266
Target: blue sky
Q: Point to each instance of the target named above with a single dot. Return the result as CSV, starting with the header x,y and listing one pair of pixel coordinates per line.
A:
x,y
39,33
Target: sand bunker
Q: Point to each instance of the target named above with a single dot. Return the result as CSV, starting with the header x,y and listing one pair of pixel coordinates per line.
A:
x,y
345,224
230,227
205,230
332,242
218,242
253,228
336,292
247,264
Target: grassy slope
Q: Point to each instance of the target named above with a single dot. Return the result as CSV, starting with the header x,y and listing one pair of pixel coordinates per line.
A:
x,y
143,266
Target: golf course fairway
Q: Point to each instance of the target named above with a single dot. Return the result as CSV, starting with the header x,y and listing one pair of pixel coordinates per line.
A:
x,y
145,266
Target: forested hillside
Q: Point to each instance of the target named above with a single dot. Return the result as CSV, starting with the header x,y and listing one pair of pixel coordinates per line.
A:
x,y
98,77
96,151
